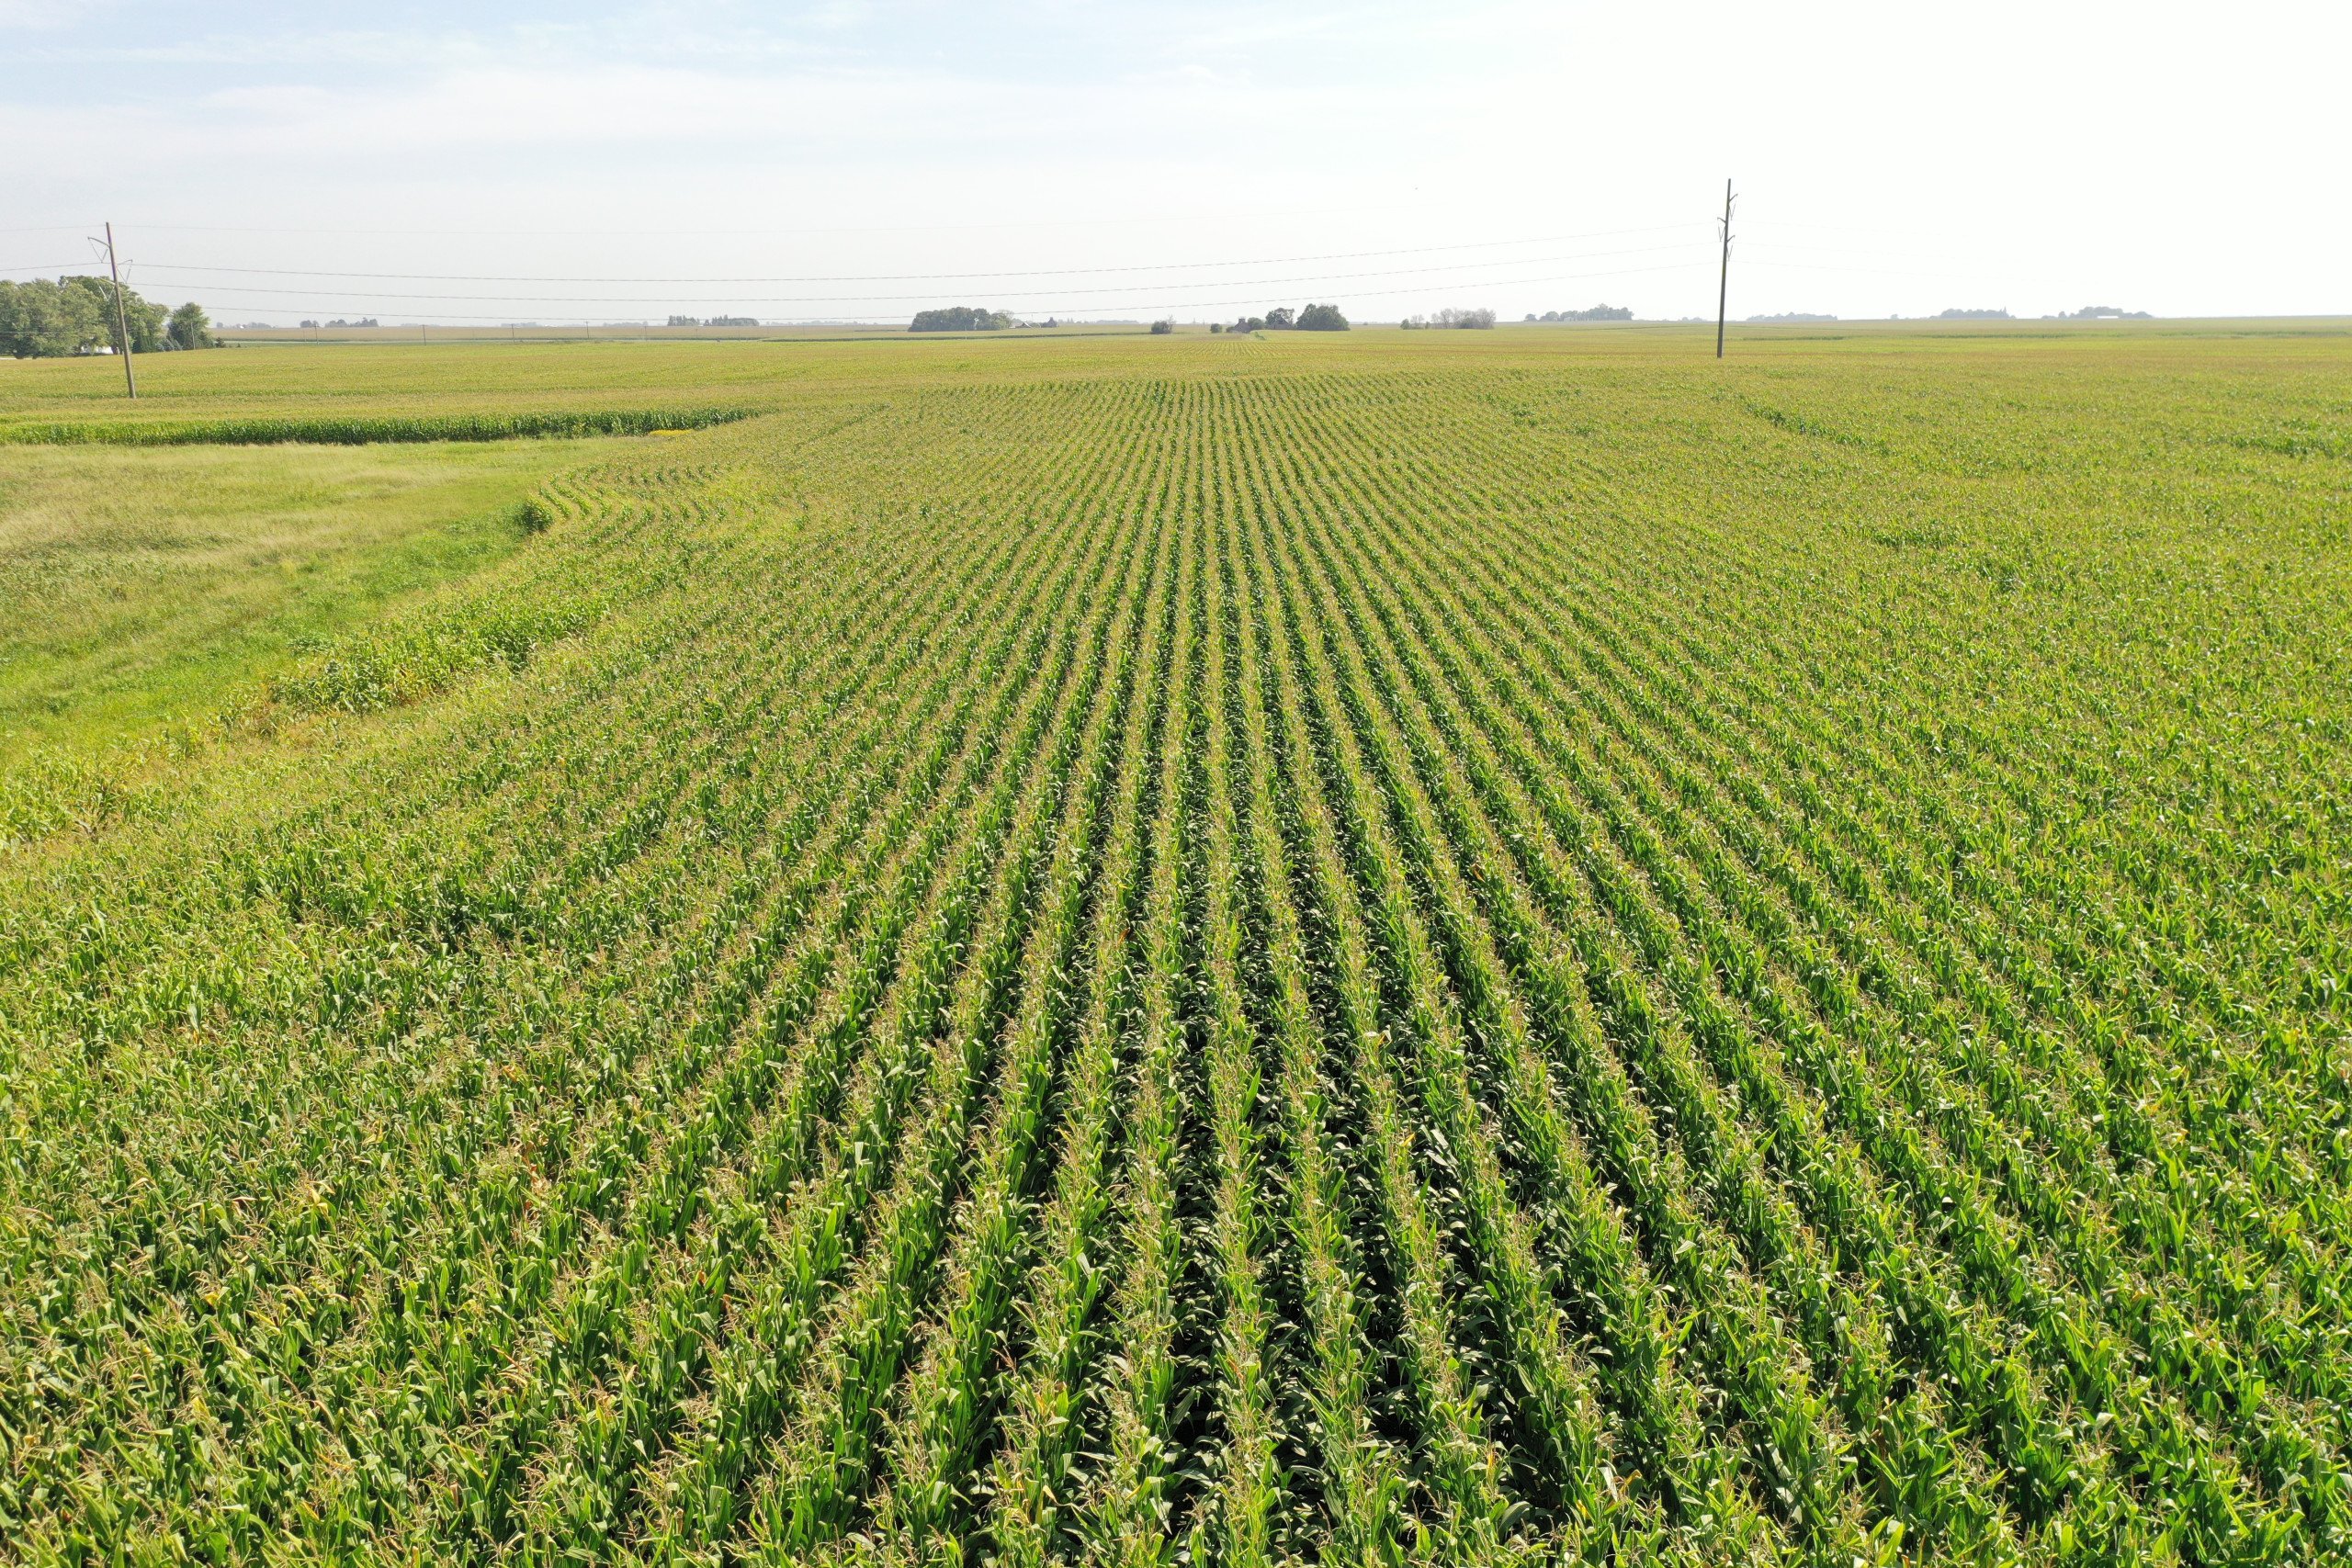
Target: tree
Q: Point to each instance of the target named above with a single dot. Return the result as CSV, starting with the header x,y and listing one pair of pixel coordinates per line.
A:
x,y
960,318
1164,326
1450,317
1280,319
42,319
190,327
1322,318
144,317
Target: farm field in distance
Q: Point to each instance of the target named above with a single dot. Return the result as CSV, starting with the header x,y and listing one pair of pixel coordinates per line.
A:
x,y
1458,947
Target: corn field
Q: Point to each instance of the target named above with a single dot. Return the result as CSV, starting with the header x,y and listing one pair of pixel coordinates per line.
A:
x,y
1182,952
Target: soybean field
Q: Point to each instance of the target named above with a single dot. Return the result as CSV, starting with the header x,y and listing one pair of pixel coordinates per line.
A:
x,y
1509,947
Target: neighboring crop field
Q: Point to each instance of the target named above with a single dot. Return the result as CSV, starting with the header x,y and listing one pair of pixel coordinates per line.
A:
x,y
1186,950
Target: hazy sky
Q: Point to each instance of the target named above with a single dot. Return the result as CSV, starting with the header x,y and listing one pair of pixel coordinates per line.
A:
x,y
1198,160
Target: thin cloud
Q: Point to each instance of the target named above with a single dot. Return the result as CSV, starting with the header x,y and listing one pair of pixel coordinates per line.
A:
x,y
48,15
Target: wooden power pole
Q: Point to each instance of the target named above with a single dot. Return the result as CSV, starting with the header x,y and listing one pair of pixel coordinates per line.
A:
x,y
1723,288
121,318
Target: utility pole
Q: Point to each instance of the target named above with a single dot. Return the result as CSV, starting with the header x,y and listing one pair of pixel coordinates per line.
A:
x,y
1722,288
121,319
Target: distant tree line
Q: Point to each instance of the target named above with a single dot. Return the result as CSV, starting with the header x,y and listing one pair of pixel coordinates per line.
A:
x,y
1959,315
1597,314
1282,319
1450,317
1795,316
362,322
2104,312
715,321
45,319
960,318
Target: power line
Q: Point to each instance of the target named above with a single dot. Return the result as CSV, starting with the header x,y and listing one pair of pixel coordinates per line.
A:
x,y
935,276
1867,271
1840,227
1310,278
1145,305
1221,214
